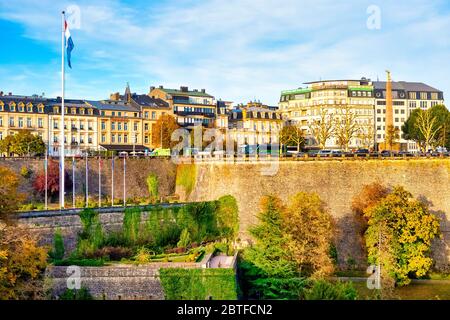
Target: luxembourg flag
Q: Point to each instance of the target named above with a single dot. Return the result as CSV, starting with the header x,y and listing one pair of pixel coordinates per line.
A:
x,y
69,43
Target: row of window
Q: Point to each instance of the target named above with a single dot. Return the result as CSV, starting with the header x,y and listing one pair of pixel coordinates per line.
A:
x,y
22,108
395,120
22,121
74,139
193,109
73,125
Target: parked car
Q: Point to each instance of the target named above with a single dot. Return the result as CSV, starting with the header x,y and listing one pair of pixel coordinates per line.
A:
x,y
405,154
388,153
336,153
362,152
324,153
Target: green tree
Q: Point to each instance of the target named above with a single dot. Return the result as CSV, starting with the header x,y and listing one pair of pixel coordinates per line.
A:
x,y
228,216
269,253
6,145
399,236
27,144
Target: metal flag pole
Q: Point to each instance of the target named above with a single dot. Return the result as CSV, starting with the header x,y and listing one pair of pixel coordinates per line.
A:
x,y
99,181
87,181
124,184
46,177
73,181
61,134
112,181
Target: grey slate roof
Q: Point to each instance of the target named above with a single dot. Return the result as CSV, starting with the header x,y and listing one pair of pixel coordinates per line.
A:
x,y
406,86
146,101
113,105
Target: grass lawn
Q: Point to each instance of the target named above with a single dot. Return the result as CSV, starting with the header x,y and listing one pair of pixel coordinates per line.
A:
x,y
418,290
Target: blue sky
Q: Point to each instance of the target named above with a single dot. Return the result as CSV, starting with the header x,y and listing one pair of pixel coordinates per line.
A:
x,y
236,50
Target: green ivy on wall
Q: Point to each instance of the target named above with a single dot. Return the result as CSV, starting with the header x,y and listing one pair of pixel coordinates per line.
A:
x,y
198,284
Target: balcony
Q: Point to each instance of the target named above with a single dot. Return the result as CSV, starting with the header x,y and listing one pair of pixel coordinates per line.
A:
x,y
195,113
177,101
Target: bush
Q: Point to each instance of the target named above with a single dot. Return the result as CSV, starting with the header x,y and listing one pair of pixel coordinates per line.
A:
x,y
73,294
198,284
143,256
325,290
57,253
25,172
73,261
185,239
113,253
152,185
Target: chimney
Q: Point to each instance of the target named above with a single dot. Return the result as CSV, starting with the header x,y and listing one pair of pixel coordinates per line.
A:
x,y
152,88
1,93
161,87
184,89
195,90
114,96
203,91
10,94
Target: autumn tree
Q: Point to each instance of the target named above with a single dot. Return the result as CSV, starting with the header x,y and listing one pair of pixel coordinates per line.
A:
x,y
345,126
322,128
309,230
292,135
369,196
392,136
428,126
399,236
52,180
22,263
10,198
162,131
366,135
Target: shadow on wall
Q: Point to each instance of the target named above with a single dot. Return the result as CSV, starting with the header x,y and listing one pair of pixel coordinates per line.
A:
x,y
440,249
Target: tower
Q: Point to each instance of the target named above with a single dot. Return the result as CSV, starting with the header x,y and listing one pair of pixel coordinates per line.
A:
x,y
389,111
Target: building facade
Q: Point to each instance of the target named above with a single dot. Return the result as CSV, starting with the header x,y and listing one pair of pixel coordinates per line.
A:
x,y
365,99
190,107
332,101
406,96
19,113
254,123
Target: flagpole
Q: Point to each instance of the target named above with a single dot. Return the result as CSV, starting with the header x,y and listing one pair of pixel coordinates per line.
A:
x,y
73,181
112,181
99,181
62,145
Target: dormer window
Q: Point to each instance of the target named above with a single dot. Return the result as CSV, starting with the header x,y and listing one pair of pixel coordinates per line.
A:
x,y
82,111
74,111
55,110
90,111
29,107
12,106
